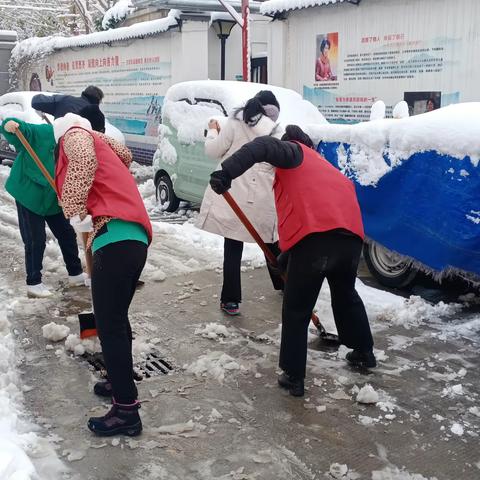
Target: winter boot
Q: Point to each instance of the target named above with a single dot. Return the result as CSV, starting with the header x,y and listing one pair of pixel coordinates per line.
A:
x,y
361,359
104,389
121,419
230,308
293,385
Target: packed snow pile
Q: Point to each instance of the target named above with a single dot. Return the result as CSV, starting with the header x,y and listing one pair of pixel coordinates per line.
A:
x,y
385,307
117,13
19,452
213,331
271,7
214,364
54,332
367,395
74,344
452,130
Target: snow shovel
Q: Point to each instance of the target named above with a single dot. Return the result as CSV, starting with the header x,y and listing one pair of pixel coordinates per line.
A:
x,y
87,320
324,335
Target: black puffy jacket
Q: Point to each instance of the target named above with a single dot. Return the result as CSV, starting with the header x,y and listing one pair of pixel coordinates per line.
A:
x,y
60,105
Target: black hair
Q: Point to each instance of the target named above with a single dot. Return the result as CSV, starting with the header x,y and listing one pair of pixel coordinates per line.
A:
x,y
93,94
95,116
266,97
254,107
324,43
293,133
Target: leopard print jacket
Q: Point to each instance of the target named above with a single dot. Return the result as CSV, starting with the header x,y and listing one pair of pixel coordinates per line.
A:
x,y
79,148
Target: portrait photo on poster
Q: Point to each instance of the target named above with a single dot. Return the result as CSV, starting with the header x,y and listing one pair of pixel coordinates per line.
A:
x,y
326,62
422,102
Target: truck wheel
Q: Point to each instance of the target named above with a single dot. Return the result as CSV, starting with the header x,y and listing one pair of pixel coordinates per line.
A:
x,y
389,268
166,197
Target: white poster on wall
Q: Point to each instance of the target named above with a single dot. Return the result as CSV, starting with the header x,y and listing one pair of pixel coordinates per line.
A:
x,y
344,58
133,77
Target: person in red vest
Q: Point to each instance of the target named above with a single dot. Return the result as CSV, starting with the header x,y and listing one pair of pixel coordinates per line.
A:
x,y
320,226
99,195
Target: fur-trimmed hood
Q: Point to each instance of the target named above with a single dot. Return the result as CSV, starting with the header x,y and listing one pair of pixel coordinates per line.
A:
x,y
63,124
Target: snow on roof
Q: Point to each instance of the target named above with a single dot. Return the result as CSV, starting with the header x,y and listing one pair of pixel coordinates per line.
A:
x,y
452,130
271,7
42,46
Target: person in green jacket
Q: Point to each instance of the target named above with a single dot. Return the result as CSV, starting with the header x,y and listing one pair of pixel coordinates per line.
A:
x,y
37,205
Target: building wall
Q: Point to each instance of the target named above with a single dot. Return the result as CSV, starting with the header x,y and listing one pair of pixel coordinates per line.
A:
x,y
382,49
7,42
259,28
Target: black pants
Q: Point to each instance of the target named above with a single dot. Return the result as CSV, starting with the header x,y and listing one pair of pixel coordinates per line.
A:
x,y
116,270
32,230
232,259
333,256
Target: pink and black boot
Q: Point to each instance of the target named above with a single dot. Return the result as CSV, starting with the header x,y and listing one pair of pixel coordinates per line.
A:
x,y
121,419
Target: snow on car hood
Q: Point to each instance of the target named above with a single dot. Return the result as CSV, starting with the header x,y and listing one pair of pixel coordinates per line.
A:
x,y
191,120
452,130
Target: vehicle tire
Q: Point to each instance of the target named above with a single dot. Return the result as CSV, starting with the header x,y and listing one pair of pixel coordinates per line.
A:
x,y
166,197
389,268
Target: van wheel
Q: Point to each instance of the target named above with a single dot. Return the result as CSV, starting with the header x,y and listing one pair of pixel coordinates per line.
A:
x,y
389,268
166,197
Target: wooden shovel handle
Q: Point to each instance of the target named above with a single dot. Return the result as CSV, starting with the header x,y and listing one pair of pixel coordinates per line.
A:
x,y
35,158
268,253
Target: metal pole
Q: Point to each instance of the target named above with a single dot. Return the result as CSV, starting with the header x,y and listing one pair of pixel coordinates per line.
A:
x,y
245,41
222,57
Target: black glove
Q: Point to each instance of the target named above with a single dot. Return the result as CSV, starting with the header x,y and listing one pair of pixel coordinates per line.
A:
x,y
280,268
220,181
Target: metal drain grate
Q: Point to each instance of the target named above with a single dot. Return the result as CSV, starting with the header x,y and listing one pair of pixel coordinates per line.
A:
x,y
153,365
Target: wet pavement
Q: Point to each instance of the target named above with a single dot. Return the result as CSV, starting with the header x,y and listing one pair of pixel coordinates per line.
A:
x,y
198,425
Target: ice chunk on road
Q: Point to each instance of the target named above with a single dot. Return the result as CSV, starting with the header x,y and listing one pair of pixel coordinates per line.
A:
x,y
54,332
367,394
213,331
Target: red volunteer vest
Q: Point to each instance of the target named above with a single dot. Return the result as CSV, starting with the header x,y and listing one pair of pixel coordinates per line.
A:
x,y
314,197
114,192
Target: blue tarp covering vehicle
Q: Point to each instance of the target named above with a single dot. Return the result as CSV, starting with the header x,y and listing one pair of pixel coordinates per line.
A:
x,y
424,206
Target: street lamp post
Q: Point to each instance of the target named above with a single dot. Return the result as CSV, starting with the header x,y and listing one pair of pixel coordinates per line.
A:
x,y
223,27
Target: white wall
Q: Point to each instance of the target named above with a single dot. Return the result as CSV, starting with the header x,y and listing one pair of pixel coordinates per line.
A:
x,y
189,51
259,35
444,29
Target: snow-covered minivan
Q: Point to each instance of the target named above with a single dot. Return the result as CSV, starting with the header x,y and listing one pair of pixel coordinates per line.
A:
x,y
181,168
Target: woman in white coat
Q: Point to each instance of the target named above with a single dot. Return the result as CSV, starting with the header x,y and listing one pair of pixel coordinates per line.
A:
x,y
252,191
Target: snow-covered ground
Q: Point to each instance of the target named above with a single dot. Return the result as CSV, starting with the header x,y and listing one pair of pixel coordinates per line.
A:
x,y
23,453
181,248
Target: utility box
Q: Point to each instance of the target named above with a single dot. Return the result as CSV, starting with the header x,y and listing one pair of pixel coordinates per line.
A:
x,y
8,38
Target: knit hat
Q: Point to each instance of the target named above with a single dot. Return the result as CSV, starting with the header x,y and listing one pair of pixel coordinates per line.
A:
x,y
95,116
